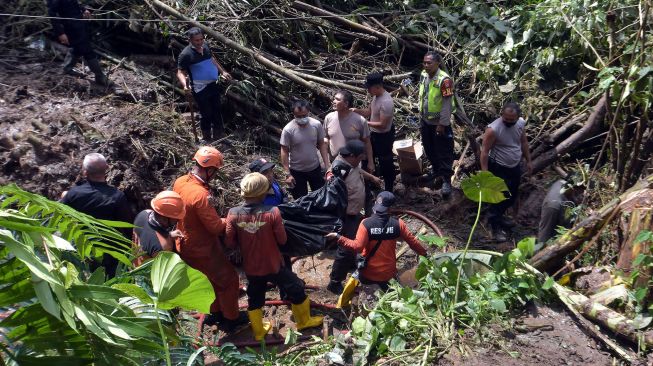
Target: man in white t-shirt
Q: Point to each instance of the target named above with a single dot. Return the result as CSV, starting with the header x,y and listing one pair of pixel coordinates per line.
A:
x,y
301,140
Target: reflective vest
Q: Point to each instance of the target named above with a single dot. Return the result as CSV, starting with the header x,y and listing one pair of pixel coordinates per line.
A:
x,y
435,95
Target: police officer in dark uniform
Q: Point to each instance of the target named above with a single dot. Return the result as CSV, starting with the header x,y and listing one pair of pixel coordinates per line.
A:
x,y
74,33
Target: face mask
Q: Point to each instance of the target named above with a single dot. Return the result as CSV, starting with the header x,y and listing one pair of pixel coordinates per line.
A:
x,y
301,121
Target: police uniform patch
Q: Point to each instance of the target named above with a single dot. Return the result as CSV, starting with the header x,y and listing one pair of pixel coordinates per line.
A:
x,y
446,88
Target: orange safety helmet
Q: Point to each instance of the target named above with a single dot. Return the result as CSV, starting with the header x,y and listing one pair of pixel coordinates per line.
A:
x,y
169,204
208,157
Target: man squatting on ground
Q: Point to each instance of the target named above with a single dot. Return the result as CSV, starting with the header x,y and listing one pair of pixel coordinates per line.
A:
x,y
436,105
74,33
257,231
94,197
200,247
504,146
301,140
380,229
558,207
155,230
382,131
198,72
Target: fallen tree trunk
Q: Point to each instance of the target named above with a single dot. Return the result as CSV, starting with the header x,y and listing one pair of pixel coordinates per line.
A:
x,y
635,219
549,257
335,18
590,128
604,316
554,137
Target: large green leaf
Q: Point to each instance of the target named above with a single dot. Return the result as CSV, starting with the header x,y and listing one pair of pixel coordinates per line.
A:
x,y
16,292
45,296
26,254
176,284
484,186
90,321
84,231
95,292
135,291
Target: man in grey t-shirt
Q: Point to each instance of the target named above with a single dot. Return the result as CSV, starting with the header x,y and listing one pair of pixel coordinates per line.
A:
x,y
382,130
504,146
301,139
343,125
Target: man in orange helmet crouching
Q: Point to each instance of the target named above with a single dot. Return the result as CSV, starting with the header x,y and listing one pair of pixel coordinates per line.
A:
x,y
155,229
200,247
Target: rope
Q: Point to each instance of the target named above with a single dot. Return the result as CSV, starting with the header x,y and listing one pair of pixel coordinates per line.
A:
x,y
224,20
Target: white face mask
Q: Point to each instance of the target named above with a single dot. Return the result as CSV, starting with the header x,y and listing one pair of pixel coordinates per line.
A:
x,y
301,121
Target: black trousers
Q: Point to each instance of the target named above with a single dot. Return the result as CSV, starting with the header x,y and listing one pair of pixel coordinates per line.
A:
x,y
345,260
79,39
314,178
208,101
511,176
382,150
439,150
285,279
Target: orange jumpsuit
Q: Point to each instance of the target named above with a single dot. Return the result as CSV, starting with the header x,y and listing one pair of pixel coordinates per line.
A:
x,y
201,247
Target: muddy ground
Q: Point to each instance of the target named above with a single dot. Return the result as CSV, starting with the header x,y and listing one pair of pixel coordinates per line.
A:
x,y
50,121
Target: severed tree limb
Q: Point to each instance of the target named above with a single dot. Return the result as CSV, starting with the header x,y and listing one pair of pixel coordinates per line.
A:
x,y
604,316
333,83
335,18
589,326
388,37
592,126
538,147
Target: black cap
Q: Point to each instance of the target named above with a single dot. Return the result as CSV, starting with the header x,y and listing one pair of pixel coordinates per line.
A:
x,y
340,168
260,165
375,78
384,201
352,147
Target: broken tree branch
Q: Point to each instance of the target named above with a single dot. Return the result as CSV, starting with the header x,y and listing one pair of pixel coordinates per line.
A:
x,y
590,128
550,256
242,49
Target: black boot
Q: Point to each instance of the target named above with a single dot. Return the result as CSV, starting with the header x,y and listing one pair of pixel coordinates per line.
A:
x,y
335,287
206,136
506,223
230,325
100,78
69,63
213,318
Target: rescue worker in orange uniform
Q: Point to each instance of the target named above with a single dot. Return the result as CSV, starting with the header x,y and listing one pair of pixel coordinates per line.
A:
x,y
380,229
155,230
257,230
201,247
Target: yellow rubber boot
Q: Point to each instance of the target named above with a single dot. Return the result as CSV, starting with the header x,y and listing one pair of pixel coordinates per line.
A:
x,y
344,300
303,318
259,327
